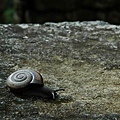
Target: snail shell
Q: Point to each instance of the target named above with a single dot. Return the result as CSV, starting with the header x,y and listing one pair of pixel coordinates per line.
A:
x,y
22,78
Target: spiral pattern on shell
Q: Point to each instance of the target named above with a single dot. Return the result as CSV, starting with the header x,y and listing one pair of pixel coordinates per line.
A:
x,y
22,78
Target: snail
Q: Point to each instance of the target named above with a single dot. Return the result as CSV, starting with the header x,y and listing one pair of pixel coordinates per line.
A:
x,y
30,83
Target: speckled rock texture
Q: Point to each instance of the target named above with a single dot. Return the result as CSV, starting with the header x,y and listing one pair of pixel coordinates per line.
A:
x,y
81,57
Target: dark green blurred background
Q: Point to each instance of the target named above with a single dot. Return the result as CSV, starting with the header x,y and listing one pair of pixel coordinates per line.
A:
x,y
40,11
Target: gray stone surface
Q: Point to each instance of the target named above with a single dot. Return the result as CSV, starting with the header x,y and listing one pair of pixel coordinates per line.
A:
x,y
82,57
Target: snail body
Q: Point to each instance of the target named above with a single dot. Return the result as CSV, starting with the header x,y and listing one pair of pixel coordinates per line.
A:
x,y
30,83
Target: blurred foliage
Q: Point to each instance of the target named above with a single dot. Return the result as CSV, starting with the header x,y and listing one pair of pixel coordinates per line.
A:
x,y
9,12
8,15
41,11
